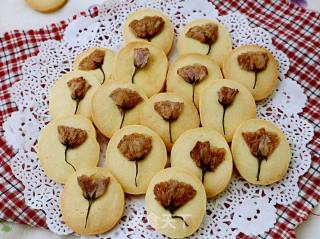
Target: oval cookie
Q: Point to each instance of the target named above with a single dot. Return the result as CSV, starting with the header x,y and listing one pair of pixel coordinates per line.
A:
x,y
96,61
255,68
184,196
169,115
150,25
66,145
46,6
190,74
224,104
206,154
260,152
72,94
134,155
150,77
108,198
116,105
194,38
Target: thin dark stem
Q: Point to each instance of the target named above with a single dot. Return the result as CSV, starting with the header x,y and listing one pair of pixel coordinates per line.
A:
x,y
193,88
170,132
255,79
134,73
78,103
259,167
137,169
223,114
175,216
203,173
65,158
104,76
122,120
88,211
149,39
209,48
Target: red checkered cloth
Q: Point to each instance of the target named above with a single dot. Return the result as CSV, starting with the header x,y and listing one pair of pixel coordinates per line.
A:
x,y
296,32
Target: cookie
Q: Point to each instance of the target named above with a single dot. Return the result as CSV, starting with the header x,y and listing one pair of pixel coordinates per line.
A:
x,y
142,64
206,154
206,37
46,6
184,196
134,155
254,67
150,25
169,115
260,152
224,104
190,74
98,187
97,61
66,145
72,95
116,105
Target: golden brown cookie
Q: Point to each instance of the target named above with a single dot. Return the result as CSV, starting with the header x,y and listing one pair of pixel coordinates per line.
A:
x,y
66,145
169,115
148,73
46,6
134,155
97,61
116,105
72,94
190,74
184,197
149,25
206,154
224,104
254,67
206,37
260,152
98,187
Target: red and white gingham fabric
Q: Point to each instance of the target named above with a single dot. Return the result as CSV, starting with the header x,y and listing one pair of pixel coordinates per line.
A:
x,y
295,31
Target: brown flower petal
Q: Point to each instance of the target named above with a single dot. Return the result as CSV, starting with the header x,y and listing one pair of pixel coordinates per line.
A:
x,y
173,194
206,158
226,95
92,61
207,33
261,142
193,73
140,57
125,98
93,186
71,137
168,110
135,146
253,61
147,27
78,87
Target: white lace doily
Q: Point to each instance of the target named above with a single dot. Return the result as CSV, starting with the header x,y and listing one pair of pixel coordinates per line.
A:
x,y
241,208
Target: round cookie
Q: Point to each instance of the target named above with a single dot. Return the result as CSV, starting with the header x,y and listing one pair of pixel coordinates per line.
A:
x,y
61,103
107,116
186,115
185,153
219,49
130,164
46,6
190,213
74,206
52,152
226,116
107,65
151,78
270,146
163,39
260,84
177,84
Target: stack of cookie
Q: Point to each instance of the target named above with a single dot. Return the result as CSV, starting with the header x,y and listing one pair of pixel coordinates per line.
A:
x,y
188,111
